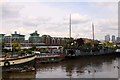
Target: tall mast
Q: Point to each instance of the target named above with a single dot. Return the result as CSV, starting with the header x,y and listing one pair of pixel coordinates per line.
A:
x,y
70,27
11,42
93,33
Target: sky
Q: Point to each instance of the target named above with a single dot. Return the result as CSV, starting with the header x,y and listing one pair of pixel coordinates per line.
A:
x,y
51,17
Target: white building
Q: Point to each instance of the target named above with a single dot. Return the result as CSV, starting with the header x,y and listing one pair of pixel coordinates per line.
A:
x,y
107,38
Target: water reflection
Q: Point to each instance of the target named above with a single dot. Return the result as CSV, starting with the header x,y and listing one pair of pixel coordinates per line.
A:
x,y
88,66
16,75
82,67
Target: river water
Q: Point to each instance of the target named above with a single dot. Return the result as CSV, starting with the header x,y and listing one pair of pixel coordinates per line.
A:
x,y
82,67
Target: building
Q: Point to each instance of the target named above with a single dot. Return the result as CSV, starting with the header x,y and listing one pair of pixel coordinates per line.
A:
x,y
34,38
118,40
48,40
15,38
86,40
57,41
113,38
18,37
8,39
107,38
2,38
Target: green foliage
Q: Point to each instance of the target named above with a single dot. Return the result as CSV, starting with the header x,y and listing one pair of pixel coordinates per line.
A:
x,y
16,46
43,51
26,50
80,42
109,44
2,45
33,47
69,43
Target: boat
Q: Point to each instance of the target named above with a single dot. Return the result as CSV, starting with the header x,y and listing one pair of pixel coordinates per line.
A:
x,y
75,52
15,62
69,53
49,57
118,50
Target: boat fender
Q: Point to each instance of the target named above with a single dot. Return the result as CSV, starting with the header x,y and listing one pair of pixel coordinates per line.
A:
x,y
6,63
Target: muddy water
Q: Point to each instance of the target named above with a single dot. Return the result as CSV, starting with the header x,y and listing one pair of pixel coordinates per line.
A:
x,y
82,67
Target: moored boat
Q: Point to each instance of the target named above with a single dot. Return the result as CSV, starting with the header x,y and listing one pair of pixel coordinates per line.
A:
x,y
70,53
8,61
118,50
49,57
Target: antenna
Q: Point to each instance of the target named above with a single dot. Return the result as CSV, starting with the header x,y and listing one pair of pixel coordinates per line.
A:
x,y
70,27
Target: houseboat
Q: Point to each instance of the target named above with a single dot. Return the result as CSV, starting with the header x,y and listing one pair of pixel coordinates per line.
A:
x,y
77,52
49,57
92,51
15,61
72,53
49,54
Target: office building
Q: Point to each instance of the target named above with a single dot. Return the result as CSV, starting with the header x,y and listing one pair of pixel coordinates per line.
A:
x,y
107,38
34,38
113,38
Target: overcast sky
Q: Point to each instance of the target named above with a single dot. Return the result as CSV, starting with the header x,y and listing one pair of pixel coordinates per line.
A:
x,y
52,18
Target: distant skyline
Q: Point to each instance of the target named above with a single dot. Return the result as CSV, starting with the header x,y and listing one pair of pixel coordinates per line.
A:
x,y
52,18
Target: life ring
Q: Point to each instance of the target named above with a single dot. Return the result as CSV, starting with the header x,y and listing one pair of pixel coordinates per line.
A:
x,y
7,63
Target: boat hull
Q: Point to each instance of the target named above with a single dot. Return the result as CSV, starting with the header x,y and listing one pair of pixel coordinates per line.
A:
x,y
50,59
18,63
117,54
78,53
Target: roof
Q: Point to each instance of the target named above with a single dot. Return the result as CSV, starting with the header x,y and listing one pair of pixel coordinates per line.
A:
x,y
48,46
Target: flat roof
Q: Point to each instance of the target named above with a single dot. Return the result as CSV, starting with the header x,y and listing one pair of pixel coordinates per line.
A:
x,y
48,46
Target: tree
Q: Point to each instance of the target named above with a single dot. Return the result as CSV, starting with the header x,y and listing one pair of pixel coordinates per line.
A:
x,y
80,42
109,44
33,47
16,46
2,45
69,43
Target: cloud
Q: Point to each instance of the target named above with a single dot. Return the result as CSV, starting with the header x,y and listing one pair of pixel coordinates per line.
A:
x,y
54,21
61,0
107,24
106,4
77,18
35,21
10,11
112,7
